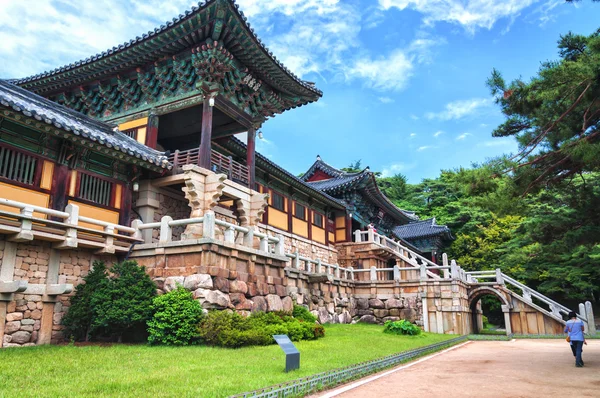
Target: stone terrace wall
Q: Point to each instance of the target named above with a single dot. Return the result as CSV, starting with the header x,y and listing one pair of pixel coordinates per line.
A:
x,y
27,314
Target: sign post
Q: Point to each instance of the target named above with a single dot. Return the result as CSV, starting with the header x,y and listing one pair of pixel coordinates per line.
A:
x,y
292,355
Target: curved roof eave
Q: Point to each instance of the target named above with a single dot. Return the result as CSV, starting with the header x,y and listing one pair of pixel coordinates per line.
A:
x,y
35,81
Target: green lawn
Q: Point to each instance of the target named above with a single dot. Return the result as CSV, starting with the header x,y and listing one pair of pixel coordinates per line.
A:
x,y
137,371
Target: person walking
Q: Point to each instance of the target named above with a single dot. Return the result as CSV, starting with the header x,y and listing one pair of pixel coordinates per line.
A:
x,y
576,338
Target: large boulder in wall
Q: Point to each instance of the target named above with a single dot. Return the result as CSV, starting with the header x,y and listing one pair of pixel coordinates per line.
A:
x,y
198,281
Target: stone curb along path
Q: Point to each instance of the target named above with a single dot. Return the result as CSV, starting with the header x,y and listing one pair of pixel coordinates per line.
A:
x,y
311,384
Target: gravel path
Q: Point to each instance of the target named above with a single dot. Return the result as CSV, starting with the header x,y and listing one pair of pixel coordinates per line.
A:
x,y
522,368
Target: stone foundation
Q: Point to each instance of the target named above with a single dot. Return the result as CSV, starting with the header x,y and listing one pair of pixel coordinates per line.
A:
x,y
33,317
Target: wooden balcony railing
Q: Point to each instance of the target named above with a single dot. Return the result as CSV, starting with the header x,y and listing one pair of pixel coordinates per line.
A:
x,y
218,163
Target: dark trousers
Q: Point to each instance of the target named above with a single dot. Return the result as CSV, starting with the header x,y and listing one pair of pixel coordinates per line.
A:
x,y
577,348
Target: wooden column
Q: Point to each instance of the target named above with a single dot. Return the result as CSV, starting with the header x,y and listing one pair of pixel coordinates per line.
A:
x,y
61,180
348,228
206,135
251,156
152,131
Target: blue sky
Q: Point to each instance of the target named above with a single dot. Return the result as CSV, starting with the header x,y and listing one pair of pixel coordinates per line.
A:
x,y
403,80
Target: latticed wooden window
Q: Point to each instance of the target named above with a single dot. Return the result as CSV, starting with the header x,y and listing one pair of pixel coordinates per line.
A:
x,y
131,133
17,166
300,211
318,219
278,201
95,189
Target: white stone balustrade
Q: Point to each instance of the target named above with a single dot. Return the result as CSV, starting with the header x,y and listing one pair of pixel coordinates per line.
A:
x,y
67,229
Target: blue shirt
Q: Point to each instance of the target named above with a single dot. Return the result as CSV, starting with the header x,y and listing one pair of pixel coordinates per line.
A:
x,y
575,330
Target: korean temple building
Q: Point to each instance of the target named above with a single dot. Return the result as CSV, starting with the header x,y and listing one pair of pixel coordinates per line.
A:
x,y
99,159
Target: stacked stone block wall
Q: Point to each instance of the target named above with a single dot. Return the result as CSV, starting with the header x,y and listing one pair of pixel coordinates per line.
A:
x,y
26,313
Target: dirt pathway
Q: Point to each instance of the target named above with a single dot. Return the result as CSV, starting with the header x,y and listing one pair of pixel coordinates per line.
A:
x,y
522,368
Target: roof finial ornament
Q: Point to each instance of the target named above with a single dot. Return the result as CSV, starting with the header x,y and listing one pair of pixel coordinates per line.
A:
x,y
367,168
318,158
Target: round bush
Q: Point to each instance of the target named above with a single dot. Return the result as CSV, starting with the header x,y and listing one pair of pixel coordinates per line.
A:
x,y
176,318
401,327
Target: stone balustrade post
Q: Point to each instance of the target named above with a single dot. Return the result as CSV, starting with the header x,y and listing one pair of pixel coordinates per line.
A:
x,y
229,235
264,244
329,269
454,269
166,232
280,246
446,272
358,236
527,295
584,315
208,225
396,273
337,271
72,219
296,260
373,273
318,266
109,239
499,277
423,273
589,313
26,225
370,235
135,224
351,270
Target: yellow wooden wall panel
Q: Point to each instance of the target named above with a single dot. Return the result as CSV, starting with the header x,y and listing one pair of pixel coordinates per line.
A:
x,y
141,135
47,172
23,195
73,183
340,222
133,124
96,213
318,234
278,219
118,195
299,227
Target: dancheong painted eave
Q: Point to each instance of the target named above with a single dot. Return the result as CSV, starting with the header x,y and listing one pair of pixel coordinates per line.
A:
x,y
76,126
218,20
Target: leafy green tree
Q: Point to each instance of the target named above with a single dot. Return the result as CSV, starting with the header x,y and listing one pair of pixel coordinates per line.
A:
x,y
79,319
555,117
393,187
176,318
123,303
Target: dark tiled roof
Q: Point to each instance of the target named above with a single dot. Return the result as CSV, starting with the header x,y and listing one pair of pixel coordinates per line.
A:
x,y
325,167
364,180
42,109
168,36
422,229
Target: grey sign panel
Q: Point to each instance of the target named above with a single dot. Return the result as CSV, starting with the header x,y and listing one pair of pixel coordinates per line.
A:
x,y
292,355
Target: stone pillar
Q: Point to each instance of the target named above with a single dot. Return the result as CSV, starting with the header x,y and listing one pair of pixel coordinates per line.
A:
x,y
506,311
202,189
146,206
425,308
589,313
3,305
45,333
7,269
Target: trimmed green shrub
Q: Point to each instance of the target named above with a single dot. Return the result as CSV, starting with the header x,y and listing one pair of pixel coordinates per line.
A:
x,y
303,314
232,330
123,303
401,327
79,318
176,318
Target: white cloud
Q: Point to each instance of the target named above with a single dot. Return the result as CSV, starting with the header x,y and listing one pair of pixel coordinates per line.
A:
x,y
498,142
470,14
460,109
413,135
394,169
425,147
438,133
51,33
463,136
384,73
414,117
386,100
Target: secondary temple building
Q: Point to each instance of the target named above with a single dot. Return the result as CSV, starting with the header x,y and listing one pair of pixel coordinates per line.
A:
x,y
133,153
